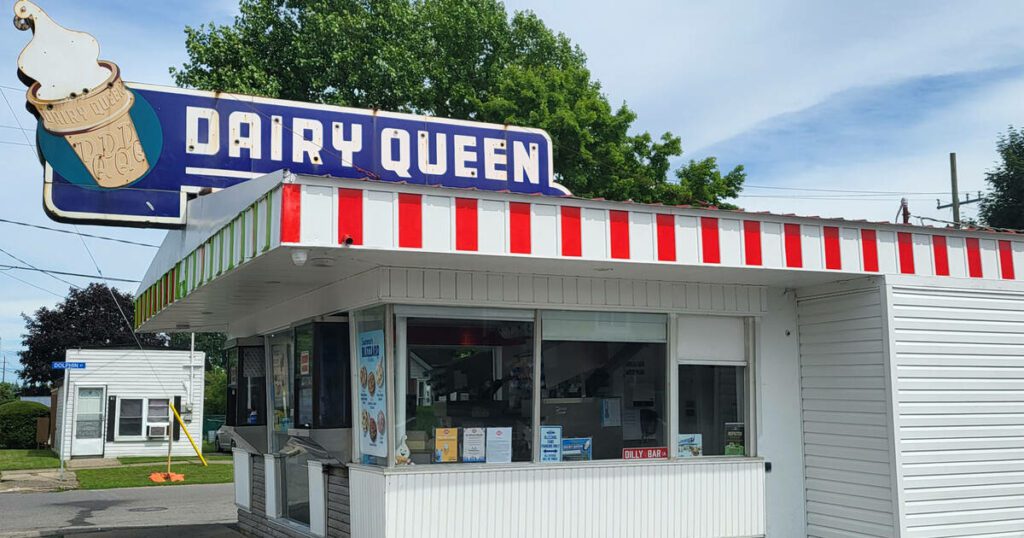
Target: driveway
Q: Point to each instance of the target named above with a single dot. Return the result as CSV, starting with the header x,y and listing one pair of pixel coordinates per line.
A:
x,y
112,508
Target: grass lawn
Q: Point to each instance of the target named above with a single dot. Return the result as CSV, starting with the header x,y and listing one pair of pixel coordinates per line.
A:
x,y
17,459
163,459
130,477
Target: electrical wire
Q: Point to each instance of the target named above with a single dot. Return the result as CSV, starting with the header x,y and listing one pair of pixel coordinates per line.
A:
x,y
65,273
41,270
27,283
69,232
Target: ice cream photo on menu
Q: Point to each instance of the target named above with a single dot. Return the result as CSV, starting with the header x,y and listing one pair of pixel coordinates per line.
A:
x,y
80,99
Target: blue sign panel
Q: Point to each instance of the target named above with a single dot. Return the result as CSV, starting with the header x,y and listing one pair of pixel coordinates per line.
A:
x,y
66,365
185,141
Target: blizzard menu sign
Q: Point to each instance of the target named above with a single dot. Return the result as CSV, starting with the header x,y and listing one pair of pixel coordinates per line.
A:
x,y
123,153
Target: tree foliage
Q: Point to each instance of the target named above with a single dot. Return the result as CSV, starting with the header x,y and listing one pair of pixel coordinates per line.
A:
x,y
8,392
466,59
215,395
1003,207
87,318
211,344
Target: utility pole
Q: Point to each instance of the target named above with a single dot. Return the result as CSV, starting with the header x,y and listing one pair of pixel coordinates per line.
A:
x,y
956,203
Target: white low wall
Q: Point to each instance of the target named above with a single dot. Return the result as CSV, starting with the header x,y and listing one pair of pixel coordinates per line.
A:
x,y
691,498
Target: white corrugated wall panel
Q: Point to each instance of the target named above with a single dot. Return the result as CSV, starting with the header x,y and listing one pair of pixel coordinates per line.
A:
x,y
847,457
956,249
850,249
594,233
730,241
641,236
812,254
989,258
960,403
771,244
687,239
437,218
544,231
686,499
317,223
379,219
887,252
491,227
367,503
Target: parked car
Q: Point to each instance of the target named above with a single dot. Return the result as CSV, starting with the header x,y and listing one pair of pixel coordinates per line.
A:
x,y
224,441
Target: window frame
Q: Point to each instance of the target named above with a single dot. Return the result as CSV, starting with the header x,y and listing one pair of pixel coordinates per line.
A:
x,y
119,437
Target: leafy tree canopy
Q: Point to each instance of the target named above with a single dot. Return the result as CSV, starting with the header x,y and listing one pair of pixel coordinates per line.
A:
x,y
1003,207
87,318
8,392
212,344
465,59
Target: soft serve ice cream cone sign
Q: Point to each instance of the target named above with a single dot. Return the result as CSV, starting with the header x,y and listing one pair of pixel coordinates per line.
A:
x,y
129,154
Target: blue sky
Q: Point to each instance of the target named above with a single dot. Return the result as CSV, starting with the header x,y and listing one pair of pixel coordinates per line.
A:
x,y
865,95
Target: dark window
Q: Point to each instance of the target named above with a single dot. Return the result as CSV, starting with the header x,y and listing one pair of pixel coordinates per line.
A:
x,y
303,376
711,401
606,396
331,364
130,419
251,401
465,376
231,358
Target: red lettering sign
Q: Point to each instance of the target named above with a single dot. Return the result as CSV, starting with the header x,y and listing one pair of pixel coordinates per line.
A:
x,y
653,453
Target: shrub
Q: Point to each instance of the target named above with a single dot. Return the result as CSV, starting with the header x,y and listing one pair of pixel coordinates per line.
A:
x,y
18,423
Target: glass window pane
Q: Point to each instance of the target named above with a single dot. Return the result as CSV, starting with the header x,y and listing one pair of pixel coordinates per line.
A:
x,y
231,364
281,364
370,346
606,396
711,411
130,420
303,375
469,390
158,411
332,360
251,402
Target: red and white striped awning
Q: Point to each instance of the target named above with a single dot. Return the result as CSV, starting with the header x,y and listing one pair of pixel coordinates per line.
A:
x,y
371,216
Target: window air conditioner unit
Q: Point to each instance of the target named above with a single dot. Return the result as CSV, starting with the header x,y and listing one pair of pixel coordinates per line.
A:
x,y
158,431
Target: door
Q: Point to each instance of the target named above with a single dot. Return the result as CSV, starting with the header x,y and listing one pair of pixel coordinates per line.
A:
x,y
88,426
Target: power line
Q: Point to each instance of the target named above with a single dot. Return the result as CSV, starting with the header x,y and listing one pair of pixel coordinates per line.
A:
x,y
69,232
55,277
772,187
51,272
40,288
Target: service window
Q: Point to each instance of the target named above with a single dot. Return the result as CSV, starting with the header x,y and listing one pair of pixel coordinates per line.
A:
x,y
603,389
303,376
333,406
231,362
129,418
712,381
281,364
465,389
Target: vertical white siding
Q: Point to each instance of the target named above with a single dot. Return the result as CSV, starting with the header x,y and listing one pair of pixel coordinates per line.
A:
x,y
847,440
960,398
138,374
653,500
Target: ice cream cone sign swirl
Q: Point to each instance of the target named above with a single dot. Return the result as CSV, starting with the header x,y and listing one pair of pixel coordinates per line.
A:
x,y
64,62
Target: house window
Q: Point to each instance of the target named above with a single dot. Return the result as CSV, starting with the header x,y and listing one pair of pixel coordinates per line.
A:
x,y
712,386
603,386
158,412
129,423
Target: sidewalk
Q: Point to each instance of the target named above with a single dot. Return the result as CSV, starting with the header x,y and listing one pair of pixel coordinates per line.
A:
x,y
227,530
37,481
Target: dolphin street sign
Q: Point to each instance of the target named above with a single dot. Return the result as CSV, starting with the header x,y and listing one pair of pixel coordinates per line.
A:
x,y
129,154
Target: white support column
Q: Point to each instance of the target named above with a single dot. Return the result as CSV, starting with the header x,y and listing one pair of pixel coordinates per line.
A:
x,y
317,498
272,485
243,475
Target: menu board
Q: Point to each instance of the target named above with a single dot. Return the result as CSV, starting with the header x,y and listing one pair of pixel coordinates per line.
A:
x,y
550,444
473,443
372,394
446,445
577,449
499,445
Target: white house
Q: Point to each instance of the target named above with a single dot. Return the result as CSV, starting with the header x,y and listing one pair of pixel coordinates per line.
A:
x,y
119,403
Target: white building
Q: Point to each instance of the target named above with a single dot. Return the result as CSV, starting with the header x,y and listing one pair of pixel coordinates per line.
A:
x,y
119,403
655,371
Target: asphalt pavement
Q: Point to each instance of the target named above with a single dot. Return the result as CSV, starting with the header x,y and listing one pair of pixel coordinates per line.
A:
x,y
206,508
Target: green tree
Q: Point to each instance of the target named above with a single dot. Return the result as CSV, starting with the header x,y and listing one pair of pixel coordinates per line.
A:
x,y
466,59
8,392
88,318
215,395
1003,206
212,344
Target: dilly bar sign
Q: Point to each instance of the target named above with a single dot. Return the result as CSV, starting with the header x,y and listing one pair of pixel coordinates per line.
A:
x,y
129,154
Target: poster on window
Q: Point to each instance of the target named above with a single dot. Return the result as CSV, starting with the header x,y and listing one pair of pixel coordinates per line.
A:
x,y
499,445
577,449
734,439
550,444
691,445
446,445
372,394
473,445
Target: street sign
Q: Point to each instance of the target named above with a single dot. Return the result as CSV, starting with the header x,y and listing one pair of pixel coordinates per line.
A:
x,y
130,154
56,365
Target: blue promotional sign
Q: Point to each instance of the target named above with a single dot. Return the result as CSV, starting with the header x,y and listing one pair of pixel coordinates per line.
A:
x,y
550,444
173,142
67,365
